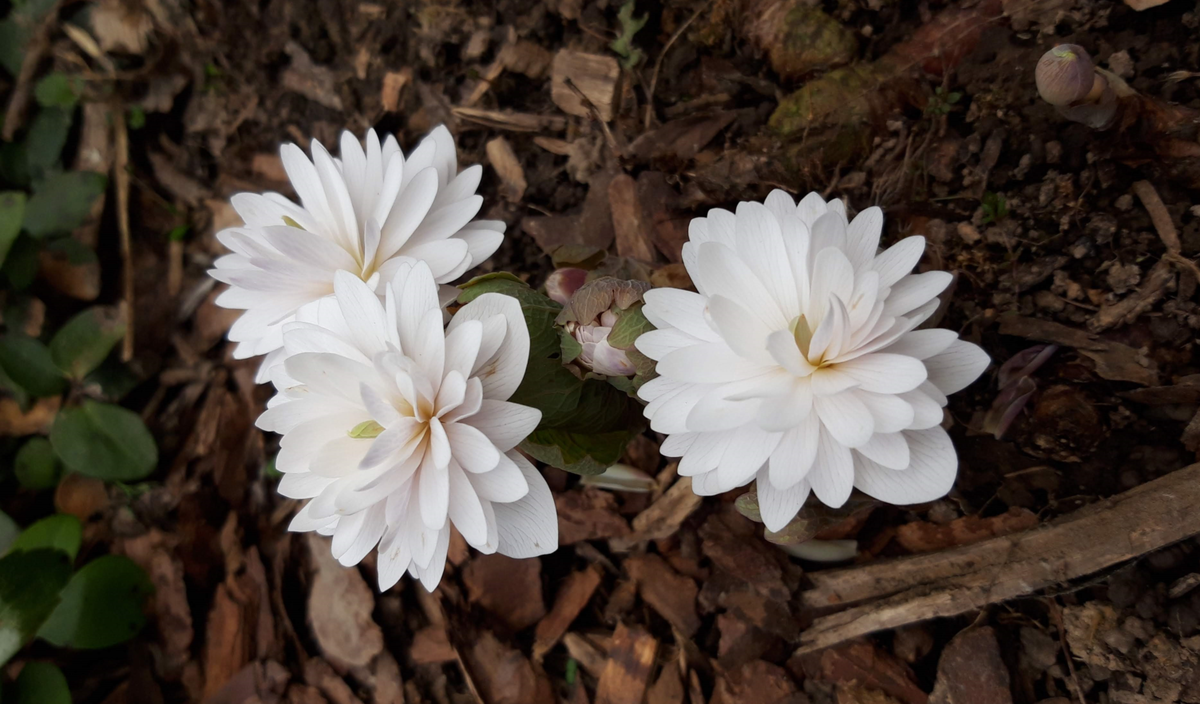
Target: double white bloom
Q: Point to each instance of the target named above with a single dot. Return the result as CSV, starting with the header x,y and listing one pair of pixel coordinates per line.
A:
x,y
396,427
364,213
798,364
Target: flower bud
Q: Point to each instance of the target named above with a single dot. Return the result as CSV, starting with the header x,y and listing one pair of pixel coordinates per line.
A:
x,y
1065,75
598,355
563,283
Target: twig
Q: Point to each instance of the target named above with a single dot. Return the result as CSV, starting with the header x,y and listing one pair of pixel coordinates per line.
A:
x,y
121,175
952,582
1057,619
595,115
658,62
1158,215
37,46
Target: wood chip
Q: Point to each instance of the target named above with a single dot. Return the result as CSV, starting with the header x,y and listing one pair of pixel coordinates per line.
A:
x,y
172,614
594,75
431,645
922,536
590,656
629,223
681,139
393,84
757,682
668,688
627,671
319,674
662,518
574,594
964,579
504,676
1159,215
317,83
1127,310
669,593
339,609
862,663
512,121
971,671
508,168
508,588
228,641
589,514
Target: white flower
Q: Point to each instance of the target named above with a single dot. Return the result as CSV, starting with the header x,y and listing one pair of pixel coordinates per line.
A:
x,y
364,213
798,363
396,428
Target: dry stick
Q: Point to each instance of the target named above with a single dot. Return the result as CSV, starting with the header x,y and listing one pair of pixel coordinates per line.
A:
x,y
37,46
964,579
595,115
121,174
658,62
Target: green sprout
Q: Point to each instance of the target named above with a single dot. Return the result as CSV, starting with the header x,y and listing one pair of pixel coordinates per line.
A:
x,y
630,25
994,208
942,102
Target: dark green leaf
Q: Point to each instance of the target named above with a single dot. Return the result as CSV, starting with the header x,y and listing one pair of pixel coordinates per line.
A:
x,y
57,90
85,341
101,606
12,212
36,466
570,346
136,119
21,264
9,530
28,363
42,683
12,45
104,441
44,141
579,453
629,328
61,203
76,252
30,582
58,532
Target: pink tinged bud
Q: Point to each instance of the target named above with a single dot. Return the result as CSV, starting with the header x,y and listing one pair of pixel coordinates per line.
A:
x,y
598,355
1065,75
1024,363
608,319
563,283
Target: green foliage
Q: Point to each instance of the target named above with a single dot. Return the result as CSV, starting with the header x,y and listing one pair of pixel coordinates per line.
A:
x,y
61,203
994,207
630,26
44,142
61,532
28,363
30,581
12,212
42,683
101,605
942,102
630,326
136,117
9,530
58,90
21,264
104,441
82,344
585,421
18,28
36,466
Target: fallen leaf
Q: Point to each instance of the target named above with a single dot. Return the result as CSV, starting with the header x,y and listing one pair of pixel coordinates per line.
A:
x,y
508,168
595,76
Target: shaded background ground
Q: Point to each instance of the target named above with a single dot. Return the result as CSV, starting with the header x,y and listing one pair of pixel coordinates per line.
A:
x,y
927,109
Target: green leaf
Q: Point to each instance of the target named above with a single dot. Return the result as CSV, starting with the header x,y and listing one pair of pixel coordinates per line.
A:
x,y
57,90
29,363
21,264
61,203
579,453
42,683
36,466
101,606
104,441
12,212
630,326
539,310
58,532
571,348
44,141
30,581
630,25
9,530
84,342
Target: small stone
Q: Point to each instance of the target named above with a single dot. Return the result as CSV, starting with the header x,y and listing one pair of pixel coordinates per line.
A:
x,y
1123,277
1120,64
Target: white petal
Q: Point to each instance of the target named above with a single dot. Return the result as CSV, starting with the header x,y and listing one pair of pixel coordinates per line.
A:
x,y
719,271
957,367
811,207
708,363
846,418
891,413
462,346
794,456
781,413
862,237
743,332
760,245
747,452
527,527
502,372
887,449
657,344
779,506
929,476
505,483
350,546
895,262
471,448
885,373
923,344
505,424
363,313
465,509
434,487
832,475
832,276
916,290
675,308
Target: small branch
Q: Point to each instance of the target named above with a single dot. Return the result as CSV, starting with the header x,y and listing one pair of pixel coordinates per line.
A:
x,y
658,62
37,46
121,175
952,582
1158,215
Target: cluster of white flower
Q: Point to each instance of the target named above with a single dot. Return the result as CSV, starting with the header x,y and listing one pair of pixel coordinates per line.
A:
x,y
394,425
798,364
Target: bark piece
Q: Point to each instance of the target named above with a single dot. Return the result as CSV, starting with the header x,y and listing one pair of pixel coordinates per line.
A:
x,y
504,676
629,222
662,518
757,682
861,663
572,597
971,671
668,688
339,609
594,75
508,168
956,581
627,671
921,536
228,643
510,589
317,83
173,616
1128,309
1114,361
392,86
589,514
669,593
431,645
319,674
